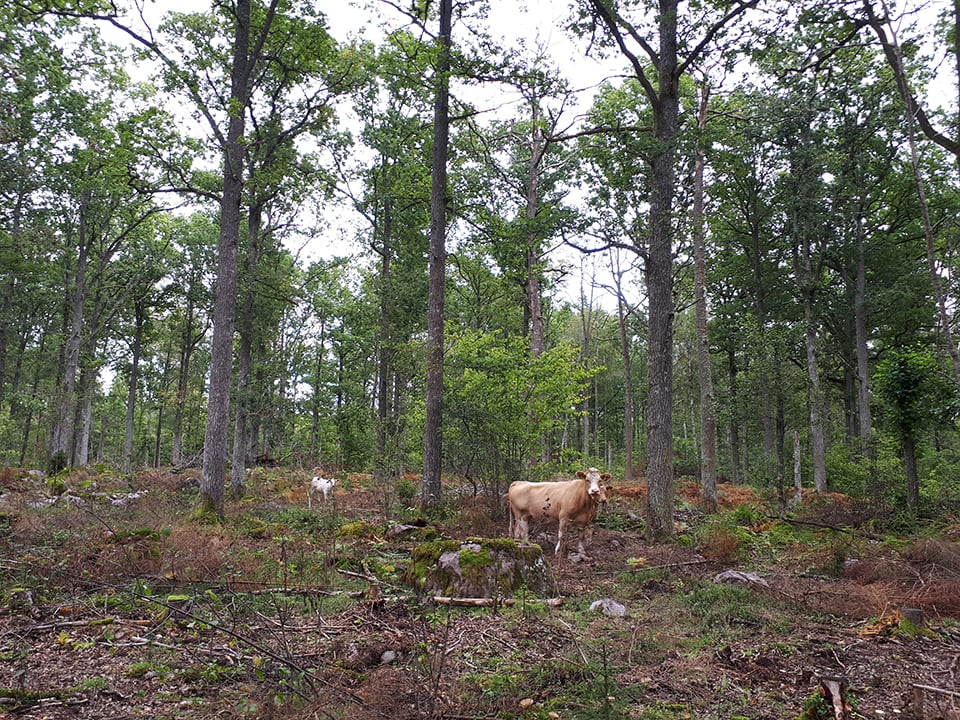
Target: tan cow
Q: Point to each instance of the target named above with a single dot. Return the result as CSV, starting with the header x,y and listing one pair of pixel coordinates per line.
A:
x,y
569,501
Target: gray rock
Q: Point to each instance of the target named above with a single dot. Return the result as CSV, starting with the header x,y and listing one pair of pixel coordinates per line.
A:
x,y
609,607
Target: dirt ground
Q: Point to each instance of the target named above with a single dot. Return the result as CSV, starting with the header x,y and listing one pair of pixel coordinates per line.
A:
x,y
116,606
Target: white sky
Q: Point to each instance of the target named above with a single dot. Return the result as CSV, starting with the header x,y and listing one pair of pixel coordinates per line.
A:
x,y
535,23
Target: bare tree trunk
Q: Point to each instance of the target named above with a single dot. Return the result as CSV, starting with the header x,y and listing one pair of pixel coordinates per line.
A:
x,y
136,350
627,382
241,419
382,469
797,479
532,259
161,410
708,418
433,427
87,389
913,476
586,326
817,440
62,433
188,344
863,359
807,278
221,351
734,419
315,401
34,385
659,275
533,241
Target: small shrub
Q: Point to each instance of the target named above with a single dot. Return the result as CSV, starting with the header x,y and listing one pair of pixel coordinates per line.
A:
x,y
747,515
721,541
56,485
357,529
407,490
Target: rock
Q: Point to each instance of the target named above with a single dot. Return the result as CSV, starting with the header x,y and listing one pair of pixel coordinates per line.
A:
x,y
609,607
479,568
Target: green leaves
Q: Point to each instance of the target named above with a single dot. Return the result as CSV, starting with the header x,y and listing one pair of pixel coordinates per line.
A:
x,y
914,391
500,400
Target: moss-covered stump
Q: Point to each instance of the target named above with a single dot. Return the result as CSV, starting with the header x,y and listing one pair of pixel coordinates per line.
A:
x,y
479,568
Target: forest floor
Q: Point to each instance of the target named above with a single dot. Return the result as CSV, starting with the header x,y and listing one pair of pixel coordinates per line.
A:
x,y
117,601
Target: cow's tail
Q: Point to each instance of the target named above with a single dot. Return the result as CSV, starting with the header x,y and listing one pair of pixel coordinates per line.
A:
x,y
506,499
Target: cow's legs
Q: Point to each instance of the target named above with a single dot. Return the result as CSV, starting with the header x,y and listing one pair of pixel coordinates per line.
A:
x,y
523,529
585,536
560,528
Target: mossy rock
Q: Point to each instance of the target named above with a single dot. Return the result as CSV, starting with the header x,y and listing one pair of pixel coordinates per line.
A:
x,y
479,568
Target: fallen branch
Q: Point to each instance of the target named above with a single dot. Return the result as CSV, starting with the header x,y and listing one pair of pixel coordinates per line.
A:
x,y
929,701
494,602
667,566
826,526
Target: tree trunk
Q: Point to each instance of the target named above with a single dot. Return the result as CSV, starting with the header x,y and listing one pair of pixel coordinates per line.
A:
x,y
315,400
62,433
913,476
433,426
532,255
533,241
659,278
241,422
708,418
797,479
225,299
863,357
817,441
806,278
136,349
627,386
188,344
382,470
734,419
161,410
28,421
86,388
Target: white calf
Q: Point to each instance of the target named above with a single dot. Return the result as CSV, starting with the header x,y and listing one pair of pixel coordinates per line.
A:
x,y
320,486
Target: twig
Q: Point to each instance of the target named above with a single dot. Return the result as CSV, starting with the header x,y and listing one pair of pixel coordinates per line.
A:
x,y
825,526
666,566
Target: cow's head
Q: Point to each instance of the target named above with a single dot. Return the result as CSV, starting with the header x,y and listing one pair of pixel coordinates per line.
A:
x,y
593,477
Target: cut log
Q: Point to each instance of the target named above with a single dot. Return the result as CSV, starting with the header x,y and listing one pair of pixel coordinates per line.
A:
x,y
494,602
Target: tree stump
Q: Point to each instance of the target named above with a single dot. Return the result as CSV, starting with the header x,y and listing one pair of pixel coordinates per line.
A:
x,y
479,568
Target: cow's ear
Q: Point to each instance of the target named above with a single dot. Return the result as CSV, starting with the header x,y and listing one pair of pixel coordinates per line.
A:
x,y
607,488
581,474
604,476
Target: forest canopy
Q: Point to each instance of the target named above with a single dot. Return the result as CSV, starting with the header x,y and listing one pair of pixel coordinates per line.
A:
x,y
729,256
